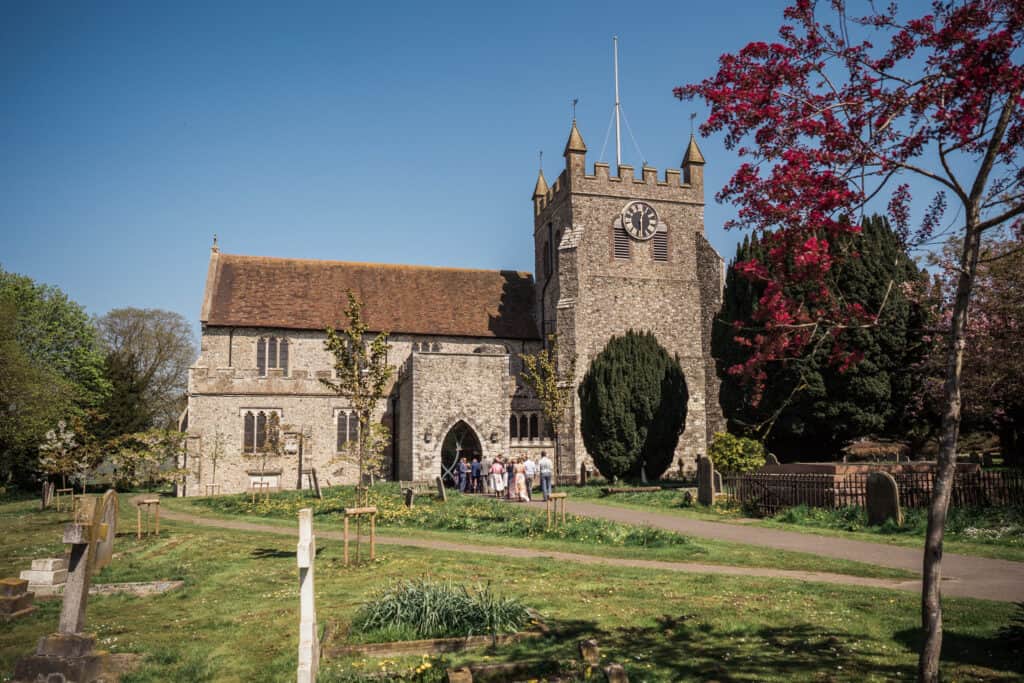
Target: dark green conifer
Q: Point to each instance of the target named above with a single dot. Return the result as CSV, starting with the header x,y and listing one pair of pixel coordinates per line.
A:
x,y
810,408
633,407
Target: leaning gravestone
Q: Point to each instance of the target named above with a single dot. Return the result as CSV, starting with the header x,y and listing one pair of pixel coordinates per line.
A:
x,y
883,499
770,459
705,481
47,499
70,655
441,493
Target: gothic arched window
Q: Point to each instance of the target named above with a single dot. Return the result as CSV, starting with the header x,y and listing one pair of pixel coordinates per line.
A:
x,y
248,433
261,356
261,430
524,427
271,353
513,427
534,432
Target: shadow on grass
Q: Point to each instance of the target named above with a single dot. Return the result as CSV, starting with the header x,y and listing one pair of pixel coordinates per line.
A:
x,y
678,648
994,653
274,553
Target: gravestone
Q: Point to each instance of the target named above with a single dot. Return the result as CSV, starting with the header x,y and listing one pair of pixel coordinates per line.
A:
x,y
770,459
47,498
15,599
441,493
883,499
705,481
410,497
583,474
589,652
104,551
309,641
70,654
47,576
616,673
718,482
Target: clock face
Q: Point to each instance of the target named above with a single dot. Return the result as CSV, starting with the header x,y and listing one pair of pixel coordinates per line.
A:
x,y
640,220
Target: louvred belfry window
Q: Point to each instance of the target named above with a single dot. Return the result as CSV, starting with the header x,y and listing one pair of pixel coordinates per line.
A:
x,y
621,240
271,353
659,246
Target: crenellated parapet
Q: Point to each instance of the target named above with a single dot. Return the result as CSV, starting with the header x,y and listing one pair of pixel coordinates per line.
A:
x,y
683,185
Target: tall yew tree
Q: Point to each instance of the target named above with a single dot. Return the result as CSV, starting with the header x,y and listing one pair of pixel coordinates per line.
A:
x,y
633,402
810,408
829,121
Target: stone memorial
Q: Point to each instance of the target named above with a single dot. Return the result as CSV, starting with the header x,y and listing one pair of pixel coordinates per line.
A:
x,y
719,485
589,652
705,481
616,673
15,599
883,499
441,493
70,655
309,640
770,459
47,499
47,576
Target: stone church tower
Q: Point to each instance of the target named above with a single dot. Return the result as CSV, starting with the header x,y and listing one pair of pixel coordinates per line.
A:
x,y
616,252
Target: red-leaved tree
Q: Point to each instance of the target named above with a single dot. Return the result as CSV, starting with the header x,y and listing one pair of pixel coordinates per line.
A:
x,y
844,112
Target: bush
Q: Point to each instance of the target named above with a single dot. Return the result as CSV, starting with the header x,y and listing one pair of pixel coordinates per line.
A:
x,y
736,453
633,407
433,609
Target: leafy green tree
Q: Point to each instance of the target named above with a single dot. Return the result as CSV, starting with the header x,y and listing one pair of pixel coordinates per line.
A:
x,y
633,407
147,458
56,334
736,454
813,399
362,373
33,398
553,387
148,354
51,369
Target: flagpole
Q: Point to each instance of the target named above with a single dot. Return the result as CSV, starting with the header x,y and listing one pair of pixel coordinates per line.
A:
x,y
618,134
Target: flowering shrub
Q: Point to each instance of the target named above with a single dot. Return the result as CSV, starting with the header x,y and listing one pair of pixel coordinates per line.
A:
x,y
736,453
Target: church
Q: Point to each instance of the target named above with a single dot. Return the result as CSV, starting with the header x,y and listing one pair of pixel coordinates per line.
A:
x,y
611,253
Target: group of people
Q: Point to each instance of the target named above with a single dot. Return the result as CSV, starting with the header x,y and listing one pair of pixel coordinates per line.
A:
x,y
511,478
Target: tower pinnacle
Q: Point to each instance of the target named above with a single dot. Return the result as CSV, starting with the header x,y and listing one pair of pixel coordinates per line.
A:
x,y
692,155
575,142
541,189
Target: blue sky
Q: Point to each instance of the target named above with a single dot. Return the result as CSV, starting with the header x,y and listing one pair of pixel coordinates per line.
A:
x,y
387,132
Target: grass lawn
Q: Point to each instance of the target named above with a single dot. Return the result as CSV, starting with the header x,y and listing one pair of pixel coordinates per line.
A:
x,y
474,519
996,532
236,619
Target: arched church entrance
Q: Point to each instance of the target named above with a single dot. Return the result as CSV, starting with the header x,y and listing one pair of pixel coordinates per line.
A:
x,y
460,442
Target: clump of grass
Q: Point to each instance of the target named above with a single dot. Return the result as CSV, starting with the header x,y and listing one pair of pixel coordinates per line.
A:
x,y
991,525
438,609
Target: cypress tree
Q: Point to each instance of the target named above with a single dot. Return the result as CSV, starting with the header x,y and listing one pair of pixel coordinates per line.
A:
x,y
633,407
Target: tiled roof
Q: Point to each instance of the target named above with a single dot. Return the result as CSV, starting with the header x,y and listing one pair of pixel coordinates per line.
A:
x,y
303,294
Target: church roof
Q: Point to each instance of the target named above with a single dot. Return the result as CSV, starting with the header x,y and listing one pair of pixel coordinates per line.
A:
x,y
305,294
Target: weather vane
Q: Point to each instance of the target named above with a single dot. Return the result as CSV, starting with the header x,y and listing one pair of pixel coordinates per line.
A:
x,y
693,115
540,159
575,101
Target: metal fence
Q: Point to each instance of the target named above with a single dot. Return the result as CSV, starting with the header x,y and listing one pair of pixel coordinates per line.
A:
x,y
766,494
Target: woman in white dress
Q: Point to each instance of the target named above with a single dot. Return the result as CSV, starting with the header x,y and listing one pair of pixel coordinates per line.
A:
x,y
497,477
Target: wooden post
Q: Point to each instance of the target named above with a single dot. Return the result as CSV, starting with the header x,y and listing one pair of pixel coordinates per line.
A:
x,y
138,521
346,539
373,536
